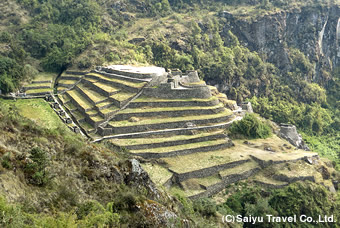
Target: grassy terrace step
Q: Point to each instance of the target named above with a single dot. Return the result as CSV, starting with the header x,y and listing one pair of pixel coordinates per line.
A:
x,y
104,105
168,120
34,85
168,111
108,88
122,77
70,106
205,146
91,95
269,182
116,82
78,99
121,98
38,91
148,143
159,175
216,179
157,123
66,82
205,163
78,115
239,169
87,127
105,112
154,102
61,89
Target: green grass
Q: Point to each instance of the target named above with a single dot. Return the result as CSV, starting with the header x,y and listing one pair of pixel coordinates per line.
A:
x,y
165,109
94,96
70,106
122,96
38,111
239,169
67,81
176,190
123,82
151,99
79,99
44,90
267,180
103,104
45,76
156,120
92,112
96,118
158,174
181,147
107,88
39,84
139,141
78,115
109,109
197,161
61,88
207,181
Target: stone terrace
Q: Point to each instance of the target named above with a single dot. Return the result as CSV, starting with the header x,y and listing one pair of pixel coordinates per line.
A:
x,y
175,122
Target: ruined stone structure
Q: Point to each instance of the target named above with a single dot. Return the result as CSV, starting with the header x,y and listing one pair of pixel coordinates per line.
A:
x,y
288,132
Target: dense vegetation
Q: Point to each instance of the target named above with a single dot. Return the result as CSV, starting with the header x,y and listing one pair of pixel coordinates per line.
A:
x,y
251,127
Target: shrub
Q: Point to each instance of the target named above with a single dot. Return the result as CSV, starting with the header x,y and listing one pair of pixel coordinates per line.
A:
x,y
205,206
35,171
250,126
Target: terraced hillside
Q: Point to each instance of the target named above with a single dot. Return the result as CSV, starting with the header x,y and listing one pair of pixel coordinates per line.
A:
x,y
180,138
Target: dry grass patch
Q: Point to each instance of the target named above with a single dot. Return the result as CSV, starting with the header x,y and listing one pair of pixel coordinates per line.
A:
x,y
158,174
94,96
181,147
79,99
157,120
43,90
140,141
197,161
122,96
166,109
240,169
107,88
123,82
206,181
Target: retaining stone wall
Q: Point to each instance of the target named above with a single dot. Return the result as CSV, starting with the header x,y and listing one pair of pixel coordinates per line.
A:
x,y
268,185
129,74
185,152
284,178
167,92
214,189
38,82
176,143
171,125
179,177
126,116
265,164
76,72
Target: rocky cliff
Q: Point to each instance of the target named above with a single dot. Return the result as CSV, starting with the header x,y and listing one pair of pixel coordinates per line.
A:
x,y
315,31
